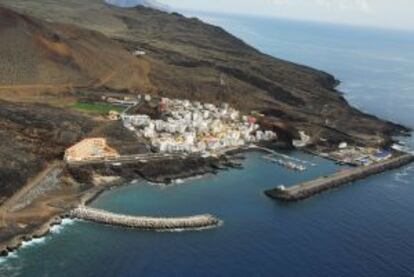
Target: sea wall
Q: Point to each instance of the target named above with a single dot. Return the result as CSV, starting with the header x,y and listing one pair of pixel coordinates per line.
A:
x,y
143,222
308,189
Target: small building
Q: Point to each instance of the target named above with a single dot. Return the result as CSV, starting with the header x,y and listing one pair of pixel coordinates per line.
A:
x,y
304,140
162,107
113,115
138,53
343,145
90,149
382,155
251,120
147,97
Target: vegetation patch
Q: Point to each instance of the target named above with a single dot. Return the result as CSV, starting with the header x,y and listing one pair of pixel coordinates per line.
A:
x,y
101,108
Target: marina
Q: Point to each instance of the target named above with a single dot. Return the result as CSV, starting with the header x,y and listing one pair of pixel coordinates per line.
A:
x,y
310,188
288,164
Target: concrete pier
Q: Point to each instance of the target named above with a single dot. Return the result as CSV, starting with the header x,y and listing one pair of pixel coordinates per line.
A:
x,y
308,189
143,222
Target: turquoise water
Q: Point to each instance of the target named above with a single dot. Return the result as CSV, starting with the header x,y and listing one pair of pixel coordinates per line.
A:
x,y
366,229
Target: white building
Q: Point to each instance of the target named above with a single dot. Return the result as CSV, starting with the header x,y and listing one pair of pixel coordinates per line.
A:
x,y
191,127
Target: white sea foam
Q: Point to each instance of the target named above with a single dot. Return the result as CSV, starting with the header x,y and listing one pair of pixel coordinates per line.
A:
x,y
33,242
56,229
185,180
11,255
178,181
157,184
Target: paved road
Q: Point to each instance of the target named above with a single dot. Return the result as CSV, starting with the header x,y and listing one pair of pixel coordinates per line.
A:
x,y
31,184
132,159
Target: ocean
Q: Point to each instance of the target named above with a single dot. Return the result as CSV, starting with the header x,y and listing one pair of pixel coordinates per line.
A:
x,y
364,229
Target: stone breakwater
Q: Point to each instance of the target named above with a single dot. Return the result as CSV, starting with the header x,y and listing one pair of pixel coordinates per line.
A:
x,y
144,222
308,189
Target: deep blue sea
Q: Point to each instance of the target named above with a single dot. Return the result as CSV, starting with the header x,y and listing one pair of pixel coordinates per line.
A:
x,y
364,229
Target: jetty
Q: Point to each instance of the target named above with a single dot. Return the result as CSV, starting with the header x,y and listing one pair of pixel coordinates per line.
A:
x,y
144,222
310,188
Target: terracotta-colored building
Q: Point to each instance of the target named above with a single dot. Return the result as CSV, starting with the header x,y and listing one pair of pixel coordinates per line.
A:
x,y
90,149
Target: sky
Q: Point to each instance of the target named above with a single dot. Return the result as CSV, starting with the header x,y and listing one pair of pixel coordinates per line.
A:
x,y
395,14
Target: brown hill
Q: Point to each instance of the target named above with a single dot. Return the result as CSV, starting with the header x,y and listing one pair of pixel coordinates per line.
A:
x,y
36,56
191,59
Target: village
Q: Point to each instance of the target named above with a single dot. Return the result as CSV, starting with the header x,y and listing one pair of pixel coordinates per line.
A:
x,y
180,126
176,126
193,127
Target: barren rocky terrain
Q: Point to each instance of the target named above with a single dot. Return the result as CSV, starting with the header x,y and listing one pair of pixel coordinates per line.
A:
x,y
37,56
31,136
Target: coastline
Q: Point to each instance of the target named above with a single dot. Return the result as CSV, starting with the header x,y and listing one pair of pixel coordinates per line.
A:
x,y
86,197
10,246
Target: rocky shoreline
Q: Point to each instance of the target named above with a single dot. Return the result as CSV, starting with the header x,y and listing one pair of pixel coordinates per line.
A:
x,y
16,242
166,175
160,172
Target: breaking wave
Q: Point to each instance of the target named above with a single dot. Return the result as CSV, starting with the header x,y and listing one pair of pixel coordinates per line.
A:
x,y
56,229
185,180
11,255
33,242
178,181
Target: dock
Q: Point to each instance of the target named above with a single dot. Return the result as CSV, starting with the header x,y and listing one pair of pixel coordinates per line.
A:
x,y
144,222
310,188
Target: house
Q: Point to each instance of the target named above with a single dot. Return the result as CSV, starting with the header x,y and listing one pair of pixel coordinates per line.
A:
x,y
139,53
343,145
113,115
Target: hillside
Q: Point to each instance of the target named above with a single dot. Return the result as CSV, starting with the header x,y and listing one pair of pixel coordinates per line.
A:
x,y
24,151
39,56
191,59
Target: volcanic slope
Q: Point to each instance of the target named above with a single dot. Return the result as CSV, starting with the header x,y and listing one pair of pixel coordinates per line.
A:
x,y
37,55
191,59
